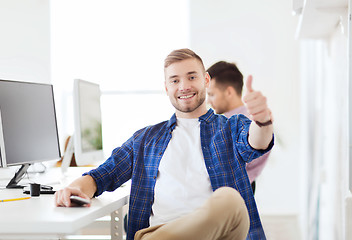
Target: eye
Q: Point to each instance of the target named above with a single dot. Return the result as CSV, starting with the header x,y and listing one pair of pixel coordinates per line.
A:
x,y
192,77
174,81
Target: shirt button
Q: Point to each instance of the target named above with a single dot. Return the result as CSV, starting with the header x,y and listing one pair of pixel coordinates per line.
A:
x,y
154,177
160,153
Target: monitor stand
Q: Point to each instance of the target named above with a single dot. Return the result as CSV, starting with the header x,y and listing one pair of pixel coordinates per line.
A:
x,y
18,177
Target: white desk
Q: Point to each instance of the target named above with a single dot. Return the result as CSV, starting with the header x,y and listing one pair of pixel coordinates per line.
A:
x,y
38,218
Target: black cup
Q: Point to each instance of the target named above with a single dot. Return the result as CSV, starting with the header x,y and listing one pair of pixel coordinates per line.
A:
x,y
34,189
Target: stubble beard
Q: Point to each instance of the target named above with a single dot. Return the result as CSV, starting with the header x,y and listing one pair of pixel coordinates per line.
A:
x,y
188,109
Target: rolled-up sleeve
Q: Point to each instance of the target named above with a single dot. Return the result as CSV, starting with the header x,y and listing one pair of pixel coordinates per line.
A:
x,y
116,170
240,128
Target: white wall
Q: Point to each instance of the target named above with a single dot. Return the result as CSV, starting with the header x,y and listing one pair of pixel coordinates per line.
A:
x,y
25,40
259,37
120,45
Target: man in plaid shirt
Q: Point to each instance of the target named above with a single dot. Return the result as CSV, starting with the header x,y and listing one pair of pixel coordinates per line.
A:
x,y
188,173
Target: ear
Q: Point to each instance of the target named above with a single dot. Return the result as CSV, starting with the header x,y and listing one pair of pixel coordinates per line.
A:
x,y
207,79
167,93
230,91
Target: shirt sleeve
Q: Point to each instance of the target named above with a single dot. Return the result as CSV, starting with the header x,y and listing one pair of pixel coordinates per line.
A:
x,y
116,170
240,130
255,167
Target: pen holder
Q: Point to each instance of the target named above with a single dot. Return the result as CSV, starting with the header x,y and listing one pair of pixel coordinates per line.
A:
x,y
34,189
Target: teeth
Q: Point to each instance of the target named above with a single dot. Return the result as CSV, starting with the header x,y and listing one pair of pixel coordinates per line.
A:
x,y
187,96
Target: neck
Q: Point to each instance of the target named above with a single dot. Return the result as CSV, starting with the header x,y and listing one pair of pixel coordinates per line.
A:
x,y
200,111
235,103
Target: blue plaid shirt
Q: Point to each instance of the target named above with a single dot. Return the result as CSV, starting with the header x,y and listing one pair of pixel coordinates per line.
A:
x,y
225,148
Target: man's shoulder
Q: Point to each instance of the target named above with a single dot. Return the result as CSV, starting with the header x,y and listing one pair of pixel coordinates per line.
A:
x,y
233,124
239,119
159,127
234,118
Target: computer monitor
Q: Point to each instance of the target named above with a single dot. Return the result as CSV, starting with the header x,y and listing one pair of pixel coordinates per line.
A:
x,y
88,136
28,126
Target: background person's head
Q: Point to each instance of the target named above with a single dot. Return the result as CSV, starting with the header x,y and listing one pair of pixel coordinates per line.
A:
x,y
225,90
186,82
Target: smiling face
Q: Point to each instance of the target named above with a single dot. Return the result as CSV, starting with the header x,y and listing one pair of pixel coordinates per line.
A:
x,y
185,84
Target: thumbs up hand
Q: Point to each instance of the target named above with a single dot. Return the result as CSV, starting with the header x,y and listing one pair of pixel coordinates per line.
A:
x,y
256,104
249,83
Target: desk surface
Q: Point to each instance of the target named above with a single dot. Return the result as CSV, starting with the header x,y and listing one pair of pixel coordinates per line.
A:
x,y
38,215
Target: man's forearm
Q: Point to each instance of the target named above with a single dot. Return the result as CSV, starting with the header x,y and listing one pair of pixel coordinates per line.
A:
x,y
260,137
86,184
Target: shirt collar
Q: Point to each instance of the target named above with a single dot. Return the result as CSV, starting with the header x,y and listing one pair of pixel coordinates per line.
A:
x,y
208,117
172,122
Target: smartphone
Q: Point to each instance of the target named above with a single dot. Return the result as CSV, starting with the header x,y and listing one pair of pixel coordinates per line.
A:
x,y
79,201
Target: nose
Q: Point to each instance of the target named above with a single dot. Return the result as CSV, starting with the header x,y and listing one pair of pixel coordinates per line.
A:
x,y
184,85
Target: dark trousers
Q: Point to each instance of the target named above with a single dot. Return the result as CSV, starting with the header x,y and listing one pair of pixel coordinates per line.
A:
x,y
253,186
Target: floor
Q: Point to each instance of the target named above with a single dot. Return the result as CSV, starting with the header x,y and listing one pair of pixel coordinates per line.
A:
x,y
281,227
276,227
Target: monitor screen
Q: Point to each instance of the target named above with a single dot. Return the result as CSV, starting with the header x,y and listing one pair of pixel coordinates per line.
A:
x,y
28,129
88,143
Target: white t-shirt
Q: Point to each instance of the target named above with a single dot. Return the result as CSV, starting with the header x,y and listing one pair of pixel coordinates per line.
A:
x,y
183,182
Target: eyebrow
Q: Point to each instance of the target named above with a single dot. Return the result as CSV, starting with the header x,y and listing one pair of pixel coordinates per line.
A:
x,y
189,73
173,76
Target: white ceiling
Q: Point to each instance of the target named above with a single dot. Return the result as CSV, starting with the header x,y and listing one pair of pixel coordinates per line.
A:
x,y
319,18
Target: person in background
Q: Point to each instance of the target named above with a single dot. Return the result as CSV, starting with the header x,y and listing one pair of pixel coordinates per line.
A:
x,y
188,173
225,97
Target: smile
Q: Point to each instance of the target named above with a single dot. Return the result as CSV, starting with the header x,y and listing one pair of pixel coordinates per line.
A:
x,y
186,96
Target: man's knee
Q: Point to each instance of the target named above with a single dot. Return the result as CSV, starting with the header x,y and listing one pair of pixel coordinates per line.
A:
x,y
228,200
228,196
228,209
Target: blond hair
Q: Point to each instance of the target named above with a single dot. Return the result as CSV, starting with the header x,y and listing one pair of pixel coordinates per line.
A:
x,y
179,55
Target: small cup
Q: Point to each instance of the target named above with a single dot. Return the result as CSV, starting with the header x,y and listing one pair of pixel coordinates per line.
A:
x,y
34,189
